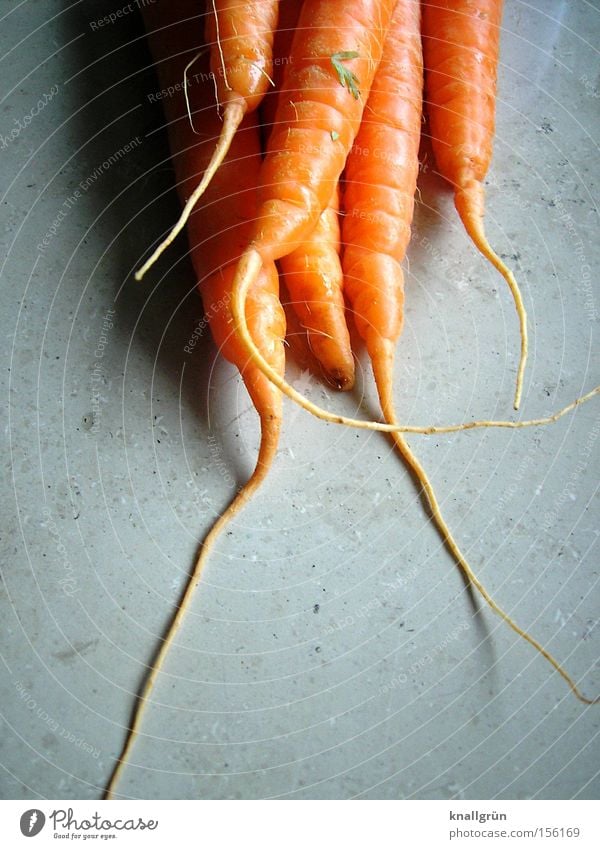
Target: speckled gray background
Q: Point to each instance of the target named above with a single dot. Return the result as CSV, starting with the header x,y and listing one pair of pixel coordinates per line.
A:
x,y
332,651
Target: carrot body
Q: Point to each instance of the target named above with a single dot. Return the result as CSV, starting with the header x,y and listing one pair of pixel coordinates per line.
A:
x,y
460,45
380,182
317,118
312,272
314,279
241,59
219,228
289,12
241,40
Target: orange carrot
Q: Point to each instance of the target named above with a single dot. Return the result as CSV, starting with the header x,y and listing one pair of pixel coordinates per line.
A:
x,y
296,337
334,55
301,164
218,232
379,206
460,44
314,279
313,272
240,36
380,182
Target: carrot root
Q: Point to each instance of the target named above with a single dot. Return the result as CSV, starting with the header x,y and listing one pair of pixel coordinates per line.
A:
x,y
232,118
382,363
449,540
545,420
469,204
247,271
266,455
382,360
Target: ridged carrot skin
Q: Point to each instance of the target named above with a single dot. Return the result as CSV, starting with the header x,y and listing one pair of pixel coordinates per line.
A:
x,y
460,45
241,59
317,118
314,279
380,183
295,336
313,272
287,21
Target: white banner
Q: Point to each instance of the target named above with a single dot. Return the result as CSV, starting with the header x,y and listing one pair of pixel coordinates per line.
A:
x,y
301,824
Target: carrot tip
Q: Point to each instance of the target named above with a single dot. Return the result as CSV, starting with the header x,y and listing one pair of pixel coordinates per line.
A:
x,y
340,380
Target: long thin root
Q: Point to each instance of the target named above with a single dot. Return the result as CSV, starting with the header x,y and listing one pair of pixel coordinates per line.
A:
x,y
449,540
383,378
472,219
267,452
247,271
232,118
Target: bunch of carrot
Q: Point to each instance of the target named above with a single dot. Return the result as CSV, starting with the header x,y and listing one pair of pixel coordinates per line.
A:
x,y
304,92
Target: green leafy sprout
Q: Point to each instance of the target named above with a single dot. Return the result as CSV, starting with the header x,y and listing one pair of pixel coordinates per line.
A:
x,y
345,76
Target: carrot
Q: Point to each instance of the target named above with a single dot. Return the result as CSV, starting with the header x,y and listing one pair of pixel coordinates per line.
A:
x,y
240,36
296,336
460,44
380,200
315,124
334,55
313,272
380,183
216,243
314,279
265,323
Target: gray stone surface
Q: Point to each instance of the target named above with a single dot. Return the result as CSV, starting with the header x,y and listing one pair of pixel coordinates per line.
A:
x,y
332,651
